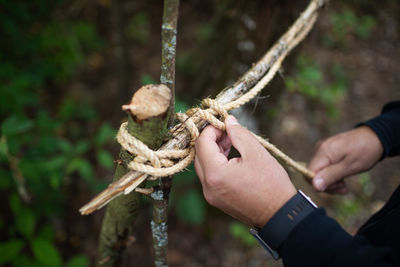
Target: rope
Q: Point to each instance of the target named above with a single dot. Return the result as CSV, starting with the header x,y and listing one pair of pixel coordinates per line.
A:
x,y
168,162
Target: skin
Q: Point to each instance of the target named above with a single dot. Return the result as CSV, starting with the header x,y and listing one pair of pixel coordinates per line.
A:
x,y
252,187
344,155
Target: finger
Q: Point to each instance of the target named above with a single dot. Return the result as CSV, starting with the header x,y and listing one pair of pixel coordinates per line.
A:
x,y
330,175
318,162
339,187
225,144
242,139
207,149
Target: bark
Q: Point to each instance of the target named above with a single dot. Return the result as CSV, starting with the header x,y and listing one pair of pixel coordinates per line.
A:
x,y
273,57
147,121
159,223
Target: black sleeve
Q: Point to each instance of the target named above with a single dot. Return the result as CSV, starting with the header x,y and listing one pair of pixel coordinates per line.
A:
x,y
320,241
387,127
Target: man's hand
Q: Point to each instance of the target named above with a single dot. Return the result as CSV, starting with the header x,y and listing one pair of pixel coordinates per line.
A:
x,y
343,155
250,188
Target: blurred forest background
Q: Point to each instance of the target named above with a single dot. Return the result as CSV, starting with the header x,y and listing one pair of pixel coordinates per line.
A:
x,y
67,66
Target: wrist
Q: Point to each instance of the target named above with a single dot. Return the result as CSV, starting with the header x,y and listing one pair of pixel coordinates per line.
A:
x,y
273,234
279,200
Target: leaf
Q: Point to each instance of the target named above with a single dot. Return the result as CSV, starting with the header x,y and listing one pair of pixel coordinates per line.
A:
x,y
192,207
46,253
3,149
78,261
15,204
181,106
105,134
81,147
83,167
9,250
46,233
25,223
13,125
104,159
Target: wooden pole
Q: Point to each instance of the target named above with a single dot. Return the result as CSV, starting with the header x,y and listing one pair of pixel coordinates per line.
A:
x,y
159,223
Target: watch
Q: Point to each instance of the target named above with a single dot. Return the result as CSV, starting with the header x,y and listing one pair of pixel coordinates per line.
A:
x,y
278,228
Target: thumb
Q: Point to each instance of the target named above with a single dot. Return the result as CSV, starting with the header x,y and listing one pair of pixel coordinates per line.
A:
x,y
242,139
329,175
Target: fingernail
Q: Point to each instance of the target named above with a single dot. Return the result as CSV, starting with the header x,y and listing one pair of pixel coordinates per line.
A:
x,y
231,120
320,184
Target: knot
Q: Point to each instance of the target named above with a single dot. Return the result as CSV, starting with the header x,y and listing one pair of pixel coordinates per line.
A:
x,y
167,162
215,106
155,163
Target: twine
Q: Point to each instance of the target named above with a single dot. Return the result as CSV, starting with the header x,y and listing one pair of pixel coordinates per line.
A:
x,y
165,163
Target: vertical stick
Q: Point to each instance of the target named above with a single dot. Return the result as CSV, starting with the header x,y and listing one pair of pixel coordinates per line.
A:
x,y
159,226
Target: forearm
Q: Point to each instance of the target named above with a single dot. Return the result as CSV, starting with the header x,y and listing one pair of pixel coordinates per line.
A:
x,y
320,241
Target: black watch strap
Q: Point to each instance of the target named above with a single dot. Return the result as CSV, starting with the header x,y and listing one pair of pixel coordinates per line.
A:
x,y
278,228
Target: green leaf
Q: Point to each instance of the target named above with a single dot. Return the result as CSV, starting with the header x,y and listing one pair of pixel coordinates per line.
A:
x,y
105,159
65,146
25,223
46,233
3,148
83,167
181,106
24,261
192,207
9,250
105,134
15,204
46,253
81,147
13,125
78,261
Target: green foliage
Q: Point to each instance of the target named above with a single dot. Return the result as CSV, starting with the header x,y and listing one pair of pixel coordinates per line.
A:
x,y
138,28
147,79
345,24
181,106
78,261
310,81
46,253
10,250
187,198
49,143
191,207
241,233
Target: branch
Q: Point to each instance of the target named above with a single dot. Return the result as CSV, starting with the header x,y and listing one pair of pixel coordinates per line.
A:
x,y
159,224
270,61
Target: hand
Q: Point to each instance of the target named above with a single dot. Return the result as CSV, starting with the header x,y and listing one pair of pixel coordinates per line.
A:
x,y
250,188
343,155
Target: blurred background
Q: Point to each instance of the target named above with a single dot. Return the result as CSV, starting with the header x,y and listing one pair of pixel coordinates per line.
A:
x,y
67,66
